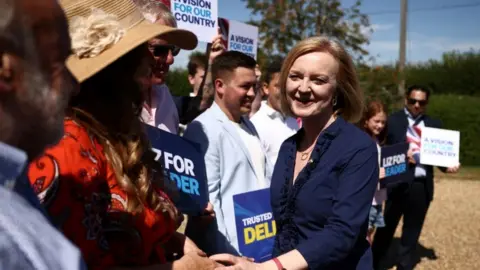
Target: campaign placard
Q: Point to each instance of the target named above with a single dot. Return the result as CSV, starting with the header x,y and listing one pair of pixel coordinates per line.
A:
x,y
240,36
198,16
440,147
395,161
183,165
256,228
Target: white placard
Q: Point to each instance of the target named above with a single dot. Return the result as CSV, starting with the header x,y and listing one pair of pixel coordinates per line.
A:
x,y
198,16
440,147
243,37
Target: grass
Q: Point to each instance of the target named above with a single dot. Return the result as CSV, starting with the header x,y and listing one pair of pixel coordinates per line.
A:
x,y
465,173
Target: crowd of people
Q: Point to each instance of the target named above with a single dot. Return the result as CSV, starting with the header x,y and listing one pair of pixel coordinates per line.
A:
x,y
79,78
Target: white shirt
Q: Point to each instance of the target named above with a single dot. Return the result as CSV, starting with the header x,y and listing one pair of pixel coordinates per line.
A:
x,y
273,129
163,114
254,147
420,170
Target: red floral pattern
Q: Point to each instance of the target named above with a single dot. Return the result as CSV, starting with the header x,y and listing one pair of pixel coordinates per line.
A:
x,y
78,187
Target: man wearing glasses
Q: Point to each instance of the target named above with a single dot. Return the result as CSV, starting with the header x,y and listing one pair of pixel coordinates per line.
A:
x,y
412,198
159,109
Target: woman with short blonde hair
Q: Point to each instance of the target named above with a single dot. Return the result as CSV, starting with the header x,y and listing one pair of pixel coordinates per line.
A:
x,y
326,174
349,97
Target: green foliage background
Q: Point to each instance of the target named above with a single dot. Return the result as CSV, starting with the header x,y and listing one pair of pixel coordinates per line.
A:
x,y
462,113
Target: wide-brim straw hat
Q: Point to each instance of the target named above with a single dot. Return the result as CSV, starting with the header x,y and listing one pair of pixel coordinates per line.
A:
x,y
102,31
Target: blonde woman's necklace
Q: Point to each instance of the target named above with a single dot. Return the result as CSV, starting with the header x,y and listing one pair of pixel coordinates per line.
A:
x,y
306,154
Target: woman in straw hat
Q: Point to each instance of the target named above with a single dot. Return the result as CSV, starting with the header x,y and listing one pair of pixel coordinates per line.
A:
x,y
94,183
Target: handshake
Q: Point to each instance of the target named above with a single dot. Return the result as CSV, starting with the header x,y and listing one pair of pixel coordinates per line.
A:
x,y
199,260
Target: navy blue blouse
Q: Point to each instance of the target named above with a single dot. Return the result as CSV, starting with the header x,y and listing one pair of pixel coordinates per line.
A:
x,y
324,214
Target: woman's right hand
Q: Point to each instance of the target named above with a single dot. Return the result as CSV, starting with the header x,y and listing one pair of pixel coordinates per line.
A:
x,y
193,260
410,157
382,173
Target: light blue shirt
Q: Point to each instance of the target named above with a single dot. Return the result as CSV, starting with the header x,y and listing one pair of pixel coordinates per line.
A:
x,y
27,240
230,170
13,175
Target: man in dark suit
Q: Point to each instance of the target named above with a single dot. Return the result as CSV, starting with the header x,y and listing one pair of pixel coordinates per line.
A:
x,y
411,198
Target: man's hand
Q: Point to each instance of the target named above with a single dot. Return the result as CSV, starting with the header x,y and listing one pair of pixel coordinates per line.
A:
x,y
453,169
217,47
410,157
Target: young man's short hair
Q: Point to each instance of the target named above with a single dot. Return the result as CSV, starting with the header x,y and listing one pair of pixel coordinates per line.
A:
x,y
227,62
274,66
197,60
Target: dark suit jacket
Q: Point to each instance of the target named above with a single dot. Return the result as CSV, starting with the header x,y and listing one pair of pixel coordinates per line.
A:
x,y
397,125
188,108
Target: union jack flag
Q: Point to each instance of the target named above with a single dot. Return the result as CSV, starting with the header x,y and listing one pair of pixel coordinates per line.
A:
x,y
414,135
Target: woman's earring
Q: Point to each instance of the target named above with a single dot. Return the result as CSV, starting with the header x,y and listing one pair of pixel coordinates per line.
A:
x,y
334,101
5,67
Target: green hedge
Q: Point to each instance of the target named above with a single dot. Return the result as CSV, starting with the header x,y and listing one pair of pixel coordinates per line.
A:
x,y
177,81
460,113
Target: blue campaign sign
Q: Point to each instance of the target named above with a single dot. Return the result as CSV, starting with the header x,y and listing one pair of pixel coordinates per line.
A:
x,y
184,165
255,225
395,161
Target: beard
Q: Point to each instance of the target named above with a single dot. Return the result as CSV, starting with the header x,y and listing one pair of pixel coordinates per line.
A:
x,y
37,112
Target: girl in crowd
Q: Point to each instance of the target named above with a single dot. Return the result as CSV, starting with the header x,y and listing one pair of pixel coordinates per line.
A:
x,y
96,183
326,175
374,124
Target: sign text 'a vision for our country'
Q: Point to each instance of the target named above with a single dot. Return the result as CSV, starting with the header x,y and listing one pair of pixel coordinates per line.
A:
x,y
243,37
198,16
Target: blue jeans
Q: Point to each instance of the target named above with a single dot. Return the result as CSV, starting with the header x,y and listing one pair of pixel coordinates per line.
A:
x,y
375,219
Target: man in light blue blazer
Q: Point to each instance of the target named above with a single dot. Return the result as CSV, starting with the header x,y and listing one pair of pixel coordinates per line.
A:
x,y
235,158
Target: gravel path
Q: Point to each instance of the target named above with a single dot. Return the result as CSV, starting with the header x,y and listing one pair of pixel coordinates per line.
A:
x,y
451,235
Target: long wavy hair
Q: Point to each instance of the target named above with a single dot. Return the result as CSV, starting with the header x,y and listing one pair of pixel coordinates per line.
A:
x,y
373,108
108,106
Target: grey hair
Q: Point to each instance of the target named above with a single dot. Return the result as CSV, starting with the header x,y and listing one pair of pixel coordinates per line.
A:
x,y
153,11
16,36
18,124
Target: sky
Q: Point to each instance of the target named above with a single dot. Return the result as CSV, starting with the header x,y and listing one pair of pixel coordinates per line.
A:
x,y
434,27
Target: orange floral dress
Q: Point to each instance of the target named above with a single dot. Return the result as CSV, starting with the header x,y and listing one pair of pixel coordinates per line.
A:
x,y
79,189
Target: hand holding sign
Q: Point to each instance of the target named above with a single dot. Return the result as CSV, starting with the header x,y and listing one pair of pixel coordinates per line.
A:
x,y
256,227
453,169
216,47
440,147
394,163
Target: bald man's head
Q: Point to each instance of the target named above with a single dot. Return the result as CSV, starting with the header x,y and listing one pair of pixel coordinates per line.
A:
x,y
34,83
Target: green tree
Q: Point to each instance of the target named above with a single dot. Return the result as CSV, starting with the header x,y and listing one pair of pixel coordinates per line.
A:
x,y
177,81
456,73
284,22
